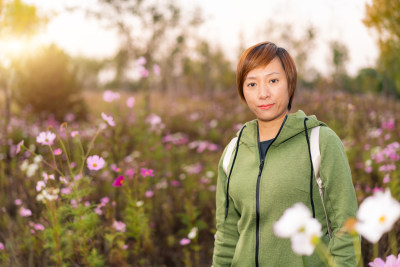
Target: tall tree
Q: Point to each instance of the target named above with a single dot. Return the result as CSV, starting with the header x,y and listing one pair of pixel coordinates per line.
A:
x,y
384,17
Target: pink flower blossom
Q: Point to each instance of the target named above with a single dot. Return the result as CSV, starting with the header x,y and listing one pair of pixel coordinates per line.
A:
x,y
156,70
149,193
74,134
386,179
119,181
18,202
377,189
388,125
58,151
391,261
175,183
25,212
95,163
46,138
130,173
119,226
69,117
104,200
130,102
143,72
38,227
40,185
141,61
110,96
108,119
66,191
146,172
184,241
1,246
47,177
19,145
98,210
368,169
125,247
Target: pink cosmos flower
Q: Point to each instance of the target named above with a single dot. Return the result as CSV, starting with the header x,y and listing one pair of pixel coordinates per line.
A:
x,y
58,151
130,102
184,241
368,169
119,181
146,172
38,227
46,138
143,72
104,200
130,173
40,185
74,134
141,61
110,96
156,70
47,177
25,212
119,226
388,125
108,119
98,210
391,261
66,191
386,179
125,247
18,202
149,193
95,163
1,246
19,145
377,189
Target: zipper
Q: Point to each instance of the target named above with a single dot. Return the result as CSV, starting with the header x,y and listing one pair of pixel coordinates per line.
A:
x,y
258,209
260,169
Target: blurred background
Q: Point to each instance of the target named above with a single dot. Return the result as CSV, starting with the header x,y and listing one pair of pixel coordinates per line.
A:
x,y
164,70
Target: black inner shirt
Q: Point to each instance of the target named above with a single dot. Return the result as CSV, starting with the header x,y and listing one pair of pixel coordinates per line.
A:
x,y
264,145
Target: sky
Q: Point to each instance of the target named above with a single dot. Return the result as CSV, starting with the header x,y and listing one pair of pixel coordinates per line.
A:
x,y
229,24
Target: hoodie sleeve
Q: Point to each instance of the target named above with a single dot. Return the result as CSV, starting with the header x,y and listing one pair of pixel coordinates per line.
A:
x,y
227,232
340,198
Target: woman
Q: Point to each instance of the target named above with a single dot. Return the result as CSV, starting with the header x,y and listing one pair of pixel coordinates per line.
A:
x,y
271,170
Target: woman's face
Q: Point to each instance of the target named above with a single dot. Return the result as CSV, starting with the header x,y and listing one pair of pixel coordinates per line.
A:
x,y
266,91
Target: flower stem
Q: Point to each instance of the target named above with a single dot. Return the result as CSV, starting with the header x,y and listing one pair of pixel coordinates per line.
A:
x,y
376,250
89,148
324,254
53,215
357,250
393,242
44,161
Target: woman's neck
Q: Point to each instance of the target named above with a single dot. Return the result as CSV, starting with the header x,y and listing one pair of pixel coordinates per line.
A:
x,y
269,129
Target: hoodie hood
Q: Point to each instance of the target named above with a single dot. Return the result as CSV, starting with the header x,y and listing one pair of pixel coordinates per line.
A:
x,y
292,126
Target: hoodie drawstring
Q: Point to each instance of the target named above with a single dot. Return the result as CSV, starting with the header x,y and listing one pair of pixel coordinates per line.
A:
x,y
230,172
312,168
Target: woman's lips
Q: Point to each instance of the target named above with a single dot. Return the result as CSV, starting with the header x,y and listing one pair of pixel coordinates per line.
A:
x,y
265,106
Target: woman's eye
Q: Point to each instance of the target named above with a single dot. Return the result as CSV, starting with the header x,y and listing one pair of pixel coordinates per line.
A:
x,y
273,81
251,84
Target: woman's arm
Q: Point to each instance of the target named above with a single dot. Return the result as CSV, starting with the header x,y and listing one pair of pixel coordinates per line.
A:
x,y
340,198
227,233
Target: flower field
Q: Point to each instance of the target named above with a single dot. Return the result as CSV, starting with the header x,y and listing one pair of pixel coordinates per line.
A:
x,y
136,187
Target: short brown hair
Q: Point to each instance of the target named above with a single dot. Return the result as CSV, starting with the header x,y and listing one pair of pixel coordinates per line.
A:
x,y
260,55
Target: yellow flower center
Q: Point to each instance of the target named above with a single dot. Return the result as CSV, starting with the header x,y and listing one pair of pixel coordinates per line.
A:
x,y
94,165
302,229
122,181
382,219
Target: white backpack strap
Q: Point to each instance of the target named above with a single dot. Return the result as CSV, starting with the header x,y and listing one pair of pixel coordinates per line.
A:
x,y
228,154
316,159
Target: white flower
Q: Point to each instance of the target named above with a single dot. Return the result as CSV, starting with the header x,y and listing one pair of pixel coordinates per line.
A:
x,y
139,203
376,215
46,138
31,170
40,185
193,233
297,224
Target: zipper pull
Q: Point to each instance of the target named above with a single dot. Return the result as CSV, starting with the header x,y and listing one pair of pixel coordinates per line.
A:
x,y
261,165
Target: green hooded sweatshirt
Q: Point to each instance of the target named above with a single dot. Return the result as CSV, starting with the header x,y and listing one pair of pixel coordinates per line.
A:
x,y
257,197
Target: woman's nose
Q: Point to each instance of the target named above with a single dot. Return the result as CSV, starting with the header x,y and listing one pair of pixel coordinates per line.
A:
x,y
263,91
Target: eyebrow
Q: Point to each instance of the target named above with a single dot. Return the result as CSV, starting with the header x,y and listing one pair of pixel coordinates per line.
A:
x,y
253,77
